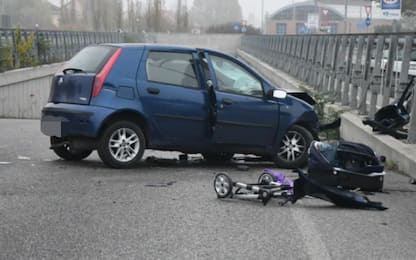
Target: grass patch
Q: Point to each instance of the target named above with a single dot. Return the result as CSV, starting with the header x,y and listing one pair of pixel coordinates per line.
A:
x,y
327,113
391,165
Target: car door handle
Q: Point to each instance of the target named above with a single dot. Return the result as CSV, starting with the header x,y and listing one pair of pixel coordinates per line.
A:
x,y
227,101
153,91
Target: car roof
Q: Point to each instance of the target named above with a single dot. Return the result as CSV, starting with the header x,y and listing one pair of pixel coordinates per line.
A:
x,y
164,47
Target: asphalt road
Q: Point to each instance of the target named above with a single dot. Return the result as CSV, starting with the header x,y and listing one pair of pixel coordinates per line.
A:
x,y
53,209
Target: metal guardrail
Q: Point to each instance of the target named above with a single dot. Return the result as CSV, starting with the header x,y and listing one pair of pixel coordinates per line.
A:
x,y
363,71
50,46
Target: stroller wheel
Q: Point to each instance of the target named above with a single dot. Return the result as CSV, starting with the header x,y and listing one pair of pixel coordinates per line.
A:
x,y
266,178
223,185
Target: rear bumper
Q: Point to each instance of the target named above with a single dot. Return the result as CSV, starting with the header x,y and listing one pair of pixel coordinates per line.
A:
x,y
65,120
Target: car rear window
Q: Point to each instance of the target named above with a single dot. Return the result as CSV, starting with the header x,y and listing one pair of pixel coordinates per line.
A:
x,y
91,59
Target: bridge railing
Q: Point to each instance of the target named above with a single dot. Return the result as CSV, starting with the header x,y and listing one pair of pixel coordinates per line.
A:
x,y
362,71
47,46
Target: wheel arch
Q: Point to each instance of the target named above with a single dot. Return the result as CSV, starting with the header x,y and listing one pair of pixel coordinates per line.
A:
x,y
126,115
308,125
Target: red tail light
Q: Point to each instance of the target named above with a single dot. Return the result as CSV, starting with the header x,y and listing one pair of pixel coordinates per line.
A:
x,y
102,75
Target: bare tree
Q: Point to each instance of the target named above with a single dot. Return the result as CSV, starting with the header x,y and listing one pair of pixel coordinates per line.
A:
x,y
118,14
215,12
179,16
157,5
28,13
185,17
148,15
95,13
134,17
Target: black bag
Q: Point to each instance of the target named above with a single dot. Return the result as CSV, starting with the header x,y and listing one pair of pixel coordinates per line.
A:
x,y
307,186
347,165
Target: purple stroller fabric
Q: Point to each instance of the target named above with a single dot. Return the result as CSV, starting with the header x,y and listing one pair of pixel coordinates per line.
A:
x,y
281,178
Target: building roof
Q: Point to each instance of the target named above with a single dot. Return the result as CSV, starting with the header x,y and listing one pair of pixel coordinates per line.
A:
x,y
303,9
355,9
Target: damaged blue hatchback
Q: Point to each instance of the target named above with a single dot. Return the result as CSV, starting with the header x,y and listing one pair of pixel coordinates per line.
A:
x,y
121,99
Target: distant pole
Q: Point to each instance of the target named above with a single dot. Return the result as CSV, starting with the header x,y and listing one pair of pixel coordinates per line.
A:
x,y
346,16
262,16
1,7
62,13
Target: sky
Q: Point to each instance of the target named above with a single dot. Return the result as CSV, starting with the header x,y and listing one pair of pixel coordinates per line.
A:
x,y
249,7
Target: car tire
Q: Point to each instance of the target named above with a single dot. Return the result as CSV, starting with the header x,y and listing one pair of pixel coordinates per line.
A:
x,y
121,145
218,157
293,149
65,152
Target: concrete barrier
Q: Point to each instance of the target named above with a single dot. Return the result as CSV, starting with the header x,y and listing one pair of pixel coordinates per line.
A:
x,y
352,129
24,92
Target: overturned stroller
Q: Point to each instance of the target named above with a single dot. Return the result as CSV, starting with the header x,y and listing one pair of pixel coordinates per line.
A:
x,y
346,165
272,184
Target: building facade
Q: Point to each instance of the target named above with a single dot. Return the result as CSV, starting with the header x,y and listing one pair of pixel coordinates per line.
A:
x,y
323,17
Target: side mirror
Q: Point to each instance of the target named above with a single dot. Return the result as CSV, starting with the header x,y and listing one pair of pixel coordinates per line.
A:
x,y
277,93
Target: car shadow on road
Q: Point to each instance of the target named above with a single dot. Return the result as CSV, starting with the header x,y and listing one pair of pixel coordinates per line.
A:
x,y
240,163
236,164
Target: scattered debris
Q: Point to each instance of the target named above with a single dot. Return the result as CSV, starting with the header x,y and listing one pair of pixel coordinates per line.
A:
x,y
5,163
23,157
161,184
392,119
183,157
242,167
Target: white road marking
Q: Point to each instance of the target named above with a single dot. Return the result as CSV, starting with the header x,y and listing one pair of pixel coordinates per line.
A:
x,y
314,245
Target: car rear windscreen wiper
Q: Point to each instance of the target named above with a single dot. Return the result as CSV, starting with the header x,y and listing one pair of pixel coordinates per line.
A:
x,y
73,70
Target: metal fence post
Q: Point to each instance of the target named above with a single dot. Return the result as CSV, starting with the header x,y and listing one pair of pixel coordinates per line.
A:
x,y
388,70
346,91
404,66
376,77
333,65
366,75
304,63
411,138
357,75
341,68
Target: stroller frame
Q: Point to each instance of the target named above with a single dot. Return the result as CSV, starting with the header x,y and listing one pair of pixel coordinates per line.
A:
x,y
269,187
265,189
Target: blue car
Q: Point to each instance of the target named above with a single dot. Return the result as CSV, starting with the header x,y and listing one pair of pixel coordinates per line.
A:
x,y
121,99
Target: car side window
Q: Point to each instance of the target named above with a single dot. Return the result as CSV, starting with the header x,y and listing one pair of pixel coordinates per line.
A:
x,y
233,78
171,68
